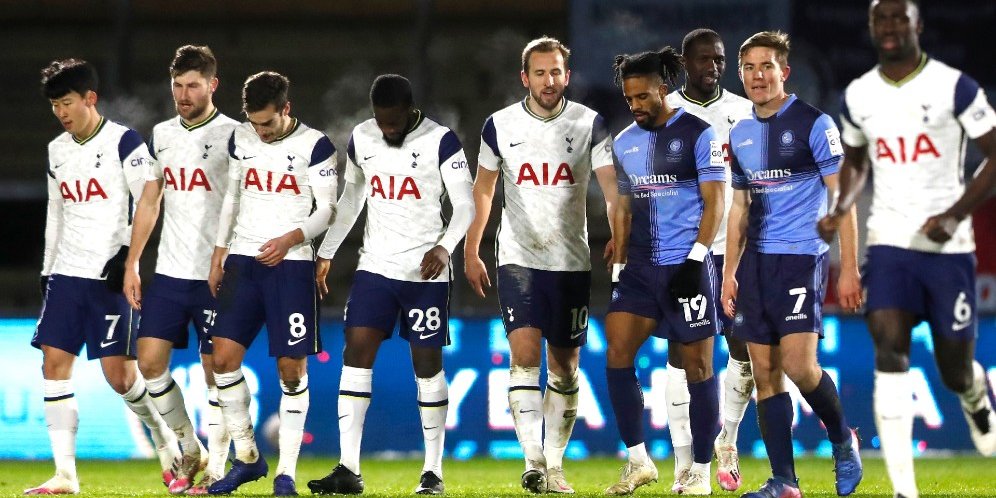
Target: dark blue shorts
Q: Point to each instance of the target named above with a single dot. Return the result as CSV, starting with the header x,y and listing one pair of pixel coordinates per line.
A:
x,y
643,290
556,302
171,304
938,288
282,297
778,295
375,301
725,322
83,310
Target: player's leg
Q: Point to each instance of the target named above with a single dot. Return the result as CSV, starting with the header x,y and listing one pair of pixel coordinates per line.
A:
x,y
774,417
893,393
60,341
738,385
525,311
954,324
624,333
218,438
678,421
895,305
62,420
294,403
425,325
703,389
565,335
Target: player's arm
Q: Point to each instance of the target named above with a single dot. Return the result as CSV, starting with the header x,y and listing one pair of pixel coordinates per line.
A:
x,y
853,172
144,221
226,219
488,169
622,220
136,164
605,173
849,282
711,168
736,235
459,188
322,179
348,210
53,229
978,120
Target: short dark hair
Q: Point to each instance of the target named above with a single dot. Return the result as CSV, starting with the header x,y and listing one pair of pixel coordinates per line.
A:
x,y
699,35
664,63
544,44
775,40
68,75
263,89
391,90
194,58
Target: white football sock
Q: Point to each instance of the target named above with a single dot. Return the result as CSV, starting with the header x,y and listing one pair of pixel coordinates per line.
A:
x,y
62,418
893,402
433,403
293,411
974,399
677,398
218,439
140,403
560,409
168,400
355,390
737,389
638,454
233,396
526,405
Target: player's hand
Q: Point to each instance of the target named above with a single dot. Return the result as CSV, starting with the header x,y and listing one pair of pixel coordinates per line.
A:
x,y
685,282
114,269
133,286
275,250
849,290
43,285
729,296
476,273
940,228
434,262
827,227
608,253
217,272
322,267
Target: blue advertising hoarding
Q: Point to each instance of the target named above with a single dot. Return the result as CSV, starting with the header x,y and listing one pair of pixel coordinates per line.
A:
x,y
478,423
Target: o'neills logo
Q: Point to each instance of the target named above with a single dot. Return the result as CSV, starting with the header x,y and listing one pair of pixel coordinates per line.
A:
x,y
637,180
768,174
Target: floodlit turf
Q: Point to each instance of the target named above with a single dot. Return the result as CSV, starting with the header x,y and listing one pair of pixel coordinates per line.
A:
x,y
937,477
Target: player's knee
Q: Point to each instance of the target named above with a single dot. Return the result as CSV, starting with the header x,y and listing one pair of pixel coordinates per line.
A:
x,y
119,382
696,369
151,369
889,360
738,349
618,356
358,356
805,377
426,369
957,380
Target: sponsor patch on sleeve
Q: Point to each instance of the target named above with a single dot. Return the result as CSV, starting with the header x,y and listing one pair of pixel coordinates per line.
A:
x,y
833,140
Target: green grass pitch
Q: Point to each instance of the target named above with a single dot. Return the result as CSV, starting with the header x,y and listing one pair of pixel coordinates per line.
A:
x,y
937,477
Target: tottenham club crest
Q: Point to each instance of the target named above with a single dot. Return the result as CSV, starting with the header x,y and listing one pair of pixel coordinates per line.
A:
x,y
207,147
290,163
415,159
570,143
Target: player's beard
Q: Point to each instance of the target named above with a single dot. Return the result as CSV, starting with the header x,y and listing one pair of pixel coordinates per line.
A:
x,y
195,111
548,102
652,114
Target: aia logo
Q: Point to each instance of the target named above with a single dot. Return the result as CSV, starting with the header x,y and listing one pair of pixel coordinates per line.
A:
x,y
76,192
394,188
267,181
184,179
902,151
529,174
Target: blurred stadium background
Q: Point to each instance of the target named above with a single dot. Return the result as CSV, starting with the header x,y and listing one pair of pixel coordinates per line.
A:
x,y
463,58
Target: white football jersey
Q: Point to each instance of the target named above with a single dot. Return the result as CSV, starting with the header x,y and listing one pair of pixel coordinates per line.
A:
x,y
275,186
721,113
192,162
90,187
546,164
404,188
916,131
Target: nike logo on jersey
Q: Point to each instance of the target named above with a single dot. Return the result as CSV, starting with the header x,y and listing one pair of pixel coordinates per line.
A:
x,y
424,336
247,157
57,165
679,404
430,428
291,342
367,158
516,144
526,411
105,344
342,416
160,150
729,119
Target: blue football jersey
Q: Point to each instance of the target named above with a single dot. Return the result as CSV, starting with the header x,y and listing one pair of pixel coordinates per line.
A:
x,y
660,170
782,159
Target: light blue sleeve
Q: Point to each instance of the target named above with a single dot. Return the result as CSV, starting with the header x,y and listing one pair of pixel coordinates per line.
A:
x,y
709,157
824,141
